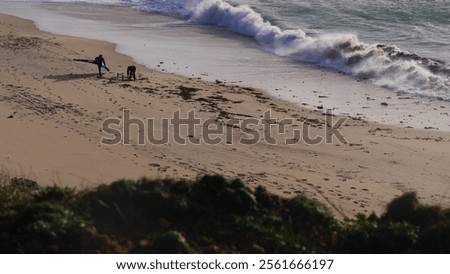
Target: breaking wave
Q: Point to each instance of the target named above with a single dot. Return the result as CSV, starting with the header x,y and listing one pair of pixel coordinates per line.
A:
x,y
386,65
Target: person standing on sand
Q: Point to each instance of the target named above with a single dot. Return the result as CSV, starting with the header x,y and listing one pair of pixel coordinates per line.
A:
x,y
100,61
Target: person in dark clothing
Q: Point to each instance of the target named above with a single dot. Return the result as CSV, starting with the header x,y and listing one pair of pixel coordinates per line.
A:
x,y
100,61
131,72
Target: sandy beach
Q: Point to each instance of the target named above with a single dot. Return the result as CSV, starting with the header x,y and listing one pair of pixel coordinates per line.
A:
x,y
53,112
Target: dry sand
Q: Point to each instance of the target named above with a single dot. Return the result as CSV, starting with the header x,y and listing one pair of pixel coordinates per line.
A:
x,y
52,109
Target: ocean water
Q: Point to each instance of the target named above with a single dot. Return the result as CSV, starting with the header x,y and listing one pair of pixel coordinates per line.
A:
x,y
403,45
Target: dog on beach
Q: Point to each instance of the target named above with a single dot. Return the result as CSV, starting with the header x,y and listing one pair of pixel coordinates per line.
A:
x,y
131,72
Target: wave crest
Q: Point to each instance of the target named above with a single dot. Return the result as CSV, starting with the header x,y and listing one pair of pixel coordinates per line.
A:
x,y
386,65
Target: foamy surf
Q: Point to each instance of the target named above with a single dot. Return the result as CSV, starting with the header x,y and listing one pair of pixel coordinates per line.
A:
x,y
388,66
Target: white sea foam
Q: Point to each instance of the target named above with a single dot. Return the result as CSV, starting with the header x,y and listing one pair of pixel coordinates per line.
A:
x,y
388,66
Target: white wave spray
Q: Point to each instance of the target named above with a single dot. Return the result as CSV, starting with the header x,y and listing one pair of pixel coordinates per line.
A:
x,y
387,66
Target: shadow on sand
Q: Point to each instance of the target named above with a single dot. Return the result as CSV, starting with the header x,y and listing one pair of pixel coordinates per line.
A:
x,y
71,76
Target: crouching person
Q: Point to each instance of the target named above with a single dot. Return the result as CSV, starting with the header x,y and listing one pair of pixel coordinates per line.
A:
x,y
131,73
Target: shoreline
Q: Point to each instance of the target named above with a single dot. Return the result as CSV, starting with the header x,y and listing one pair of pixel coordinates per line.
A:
x,y
58,106
169,45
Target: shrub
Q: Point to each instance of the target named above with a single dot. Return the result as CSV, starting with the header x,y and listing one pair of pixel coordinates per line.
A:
x,y
210,215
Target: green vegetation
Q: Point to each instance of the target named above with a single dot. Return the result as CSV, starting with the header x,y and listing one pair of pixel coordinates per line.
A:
x,y
208,215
